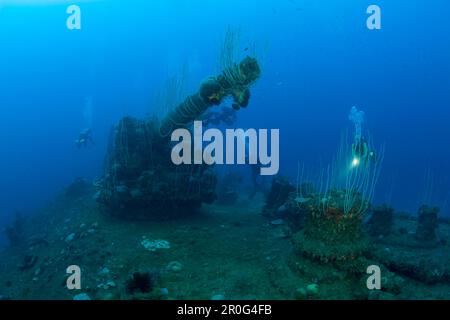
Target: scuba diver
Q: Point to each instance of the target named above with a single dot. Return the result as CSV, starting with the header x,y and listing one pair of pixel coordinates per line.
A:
x,y
256,185
225,115
84,137
361,150
255,176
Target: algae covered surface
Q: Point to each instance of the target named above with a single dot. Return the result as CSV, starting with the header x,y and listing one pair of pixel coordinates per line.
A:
x,y
224,150
230,252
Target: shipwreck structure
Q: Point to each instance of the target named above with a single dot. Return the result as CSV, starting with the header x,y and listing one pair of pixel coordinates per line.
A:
x,y
140,180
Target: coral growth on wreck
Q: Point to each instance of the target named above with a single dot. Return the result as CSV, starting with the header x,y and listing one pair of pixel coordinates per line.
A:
x,y
329,235
141,181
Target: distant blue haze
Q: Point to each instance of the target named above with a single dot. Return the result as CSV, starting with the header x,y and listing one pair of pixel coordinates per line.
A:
x,y
321,60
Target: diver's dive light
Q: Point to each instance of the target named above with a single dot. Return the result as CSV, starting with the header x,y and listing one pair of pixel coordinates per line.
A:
x,y
355,162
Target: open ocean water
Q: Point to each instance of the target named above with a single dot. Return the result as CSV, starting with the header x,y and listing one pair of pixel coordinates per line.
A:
x,y
224,150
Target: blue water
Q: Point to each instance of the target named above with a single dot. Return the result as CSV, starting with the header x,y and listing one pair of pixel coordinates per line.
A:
x,y
321,60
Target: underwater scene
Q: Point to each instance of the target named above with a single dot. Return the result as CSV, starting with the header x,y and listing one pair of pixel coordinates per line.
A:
x,y
224,150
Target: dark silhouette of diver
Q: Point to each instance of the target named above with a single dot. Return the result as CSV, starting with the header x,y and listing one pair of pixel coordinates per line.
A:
x,y
362,152
225,115
256,169
84,137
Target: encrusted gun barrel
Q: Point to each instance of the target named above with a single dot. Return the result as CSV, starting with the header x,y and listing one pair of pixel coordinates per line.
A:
x,y
234,81
141,181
